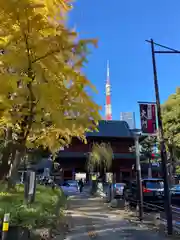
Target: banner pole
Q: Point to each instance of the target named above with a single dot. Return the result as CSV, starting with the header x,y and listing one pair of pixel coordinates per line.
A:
x,y
168,208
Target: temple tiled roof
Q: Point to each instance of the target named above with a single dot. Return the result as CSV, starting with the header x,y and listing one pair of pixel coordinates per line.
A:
x,y
118,129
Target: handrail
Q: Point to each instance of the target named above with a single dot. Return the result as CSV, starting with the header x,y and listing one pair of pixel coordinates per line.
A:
x,y
159,209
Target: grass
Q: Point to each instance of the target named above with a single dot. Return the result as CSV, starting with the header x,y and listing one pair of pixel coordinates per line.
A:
x,y
48,206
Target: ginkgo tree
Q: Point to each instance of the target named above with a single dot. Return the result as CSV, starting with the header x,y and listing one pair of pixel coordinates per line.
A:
x,y
43,97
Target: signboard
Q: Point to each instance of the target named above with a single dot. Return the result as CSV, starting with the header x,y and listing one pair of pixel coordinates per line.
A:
x,y
148,118
155,164
32,179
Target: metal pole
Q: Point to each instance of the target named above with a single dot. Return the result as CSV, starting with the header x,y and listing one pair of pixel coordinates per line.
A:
x,y
138,179
167,199
149,168
5,226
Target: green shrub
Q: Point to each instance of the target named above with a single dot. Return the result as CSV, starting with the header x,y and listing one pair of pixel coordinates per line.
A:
x,y
49,204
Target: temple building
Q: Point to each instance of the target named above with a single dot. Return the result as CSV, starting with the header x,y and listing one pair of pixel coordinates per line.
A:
x,y
74,158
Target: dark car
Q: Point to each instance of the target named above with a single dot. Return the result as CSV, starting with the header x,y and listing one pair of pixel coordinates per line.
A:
x,y
175,194
153,190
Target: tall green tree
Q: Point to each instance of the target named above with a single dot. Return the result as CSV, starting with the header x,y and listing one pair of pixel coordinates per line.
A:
x,y
171,123
147,147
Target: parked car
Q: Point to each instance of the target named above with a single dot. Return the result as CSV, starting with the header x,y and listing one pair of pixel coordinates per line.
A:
x,y
153,191
175,194
70,187
119,190
73,183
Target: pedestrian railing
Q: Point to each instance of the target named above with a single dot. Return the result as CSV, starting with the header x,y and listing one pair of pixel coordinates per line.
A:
x,y
158,212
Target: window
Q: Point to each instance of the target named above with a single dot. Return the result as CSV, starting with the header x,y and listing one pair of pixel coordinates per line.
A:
x,y
154,184
175,188
66,185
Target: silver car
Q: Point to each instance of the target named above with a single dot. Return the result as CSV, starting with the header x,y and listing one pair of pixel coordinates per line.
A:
x,y
119,189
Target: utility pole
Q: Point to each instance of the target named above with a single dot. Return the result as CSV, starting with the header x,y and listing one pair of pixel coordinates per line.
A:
x,y
138,178
167,198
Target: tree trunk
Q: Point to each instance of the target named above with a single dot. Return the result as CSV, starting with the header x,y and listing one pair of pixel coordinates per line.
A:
x,y
5,164
19,153
6,154
102,172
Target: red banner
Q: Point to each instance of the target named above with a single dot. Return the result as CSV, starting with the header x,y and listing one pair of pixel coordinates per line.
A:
x,y
148,118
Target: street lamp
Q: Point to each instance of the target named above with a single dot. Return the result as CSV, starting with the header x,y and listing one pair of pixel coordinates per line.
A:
x,y
168,208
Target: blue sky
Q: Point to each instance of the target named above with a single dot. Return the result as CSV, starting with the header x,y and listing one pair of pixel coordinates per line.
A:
x,y
121,27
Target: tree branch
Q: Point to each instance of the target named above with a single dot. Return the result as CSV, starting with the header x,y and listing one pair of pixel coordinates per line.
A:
x,y
50,53
46,55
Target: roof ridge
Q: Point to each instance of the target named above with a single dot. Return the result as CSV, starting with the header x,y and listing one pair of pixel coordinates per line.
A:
x,y
111,128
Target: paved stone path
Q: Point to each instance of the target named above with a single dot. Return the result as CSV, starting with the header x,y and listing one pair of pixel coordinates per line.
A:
x,y
91,219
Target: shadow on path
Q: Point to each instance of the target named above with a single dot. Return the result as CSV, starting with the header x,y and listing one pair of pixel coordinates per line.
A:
x,y
90,218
